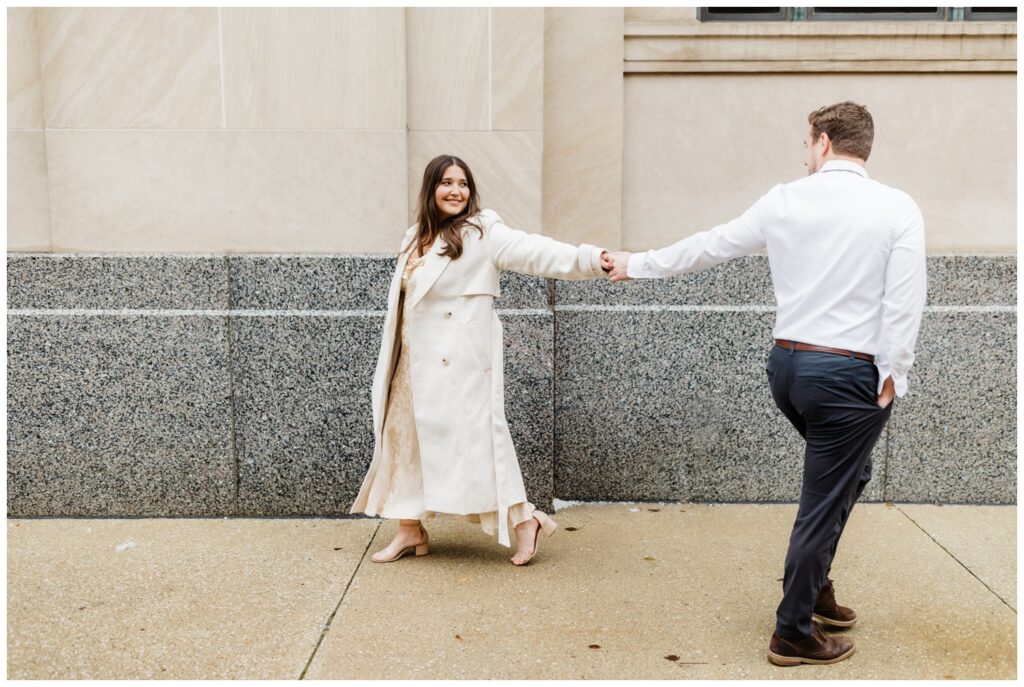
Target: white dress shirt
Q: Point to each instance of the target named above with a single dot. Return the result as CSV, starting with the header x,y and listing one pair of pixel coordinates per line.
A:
x,y
847,261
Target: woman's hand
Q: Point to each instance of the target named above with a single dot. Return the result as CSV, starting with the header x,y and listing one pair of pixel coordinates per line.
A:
x,y
618,261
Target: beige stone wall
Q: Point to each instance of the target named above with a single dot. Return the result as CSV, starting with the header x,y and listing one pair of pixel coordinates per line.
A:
x,y
699,149
715,114
307,130
476,91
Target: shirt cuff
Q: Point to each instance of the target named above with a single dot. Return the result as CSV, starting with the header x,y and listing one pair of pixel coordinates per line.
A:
x,y
634,267
899,381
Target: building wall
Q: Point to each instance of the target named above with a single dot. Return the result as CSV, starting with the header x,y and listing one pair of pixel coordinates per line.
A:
x,y
307,130
261,130
279,153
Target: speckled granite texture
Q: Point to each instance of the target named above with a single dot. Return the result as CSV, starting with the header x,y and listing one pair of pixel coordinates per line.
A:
x,y
663,406
116,282
972,280
529,399
277,360
685,412
118,415
246,390
331,282
302,411
309,282
953,438
744,281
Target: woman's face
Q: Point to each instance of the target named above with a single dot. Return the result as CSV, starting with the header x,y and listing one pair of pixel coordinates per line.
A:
x,y
452,193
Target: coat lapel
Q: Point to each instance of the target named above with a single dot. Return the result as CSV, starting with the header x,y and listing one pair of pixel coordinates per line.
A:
x,y
432,268
403,259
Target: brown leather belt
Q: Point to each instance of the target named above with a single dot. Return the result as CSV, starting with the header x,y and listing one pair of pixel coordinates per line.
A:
x,y
796,345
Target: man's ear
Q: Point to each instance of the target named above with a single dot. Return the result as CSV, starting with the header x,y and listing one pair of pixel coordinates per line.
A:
x,y
826,143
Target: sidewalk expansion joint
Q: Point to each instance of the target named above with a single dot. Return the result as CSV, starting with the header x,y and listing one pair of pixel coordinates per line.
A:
x,y
327,626
951,555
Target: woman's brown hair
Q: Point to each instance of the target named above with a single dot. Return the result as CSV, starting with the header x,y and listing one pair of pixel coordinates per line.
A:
x,y
429,222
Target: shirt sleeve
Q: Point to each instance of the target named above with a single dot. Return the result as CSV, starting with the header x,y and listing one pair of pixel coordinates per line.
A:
x,y
742,236
906,285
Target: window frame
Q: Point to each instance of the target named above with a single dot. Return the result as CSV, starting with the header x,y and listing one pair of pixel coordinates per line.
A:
x,y
812,14
809,14
784,14
969,15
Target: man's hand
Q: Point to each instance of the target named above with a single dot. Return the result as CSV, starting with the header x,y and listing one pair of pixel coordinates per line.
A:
x,y
619,261
606,261
888,393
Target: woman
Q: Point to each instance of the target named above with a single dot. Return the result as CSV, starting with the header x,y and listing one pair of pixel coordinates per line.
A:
x,y
441,441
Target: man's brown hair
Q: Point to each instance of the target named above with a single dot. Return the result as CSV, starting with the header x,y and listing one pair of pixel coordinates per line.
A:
x,y
848,125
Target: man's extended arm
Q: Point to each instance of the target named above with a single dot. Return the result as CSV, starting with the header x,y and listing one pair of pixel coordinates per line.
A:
x,y
742,236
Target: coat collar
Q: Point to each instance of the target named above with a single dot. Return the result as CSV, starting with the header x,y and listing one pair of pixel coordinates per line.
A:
x,y
431,269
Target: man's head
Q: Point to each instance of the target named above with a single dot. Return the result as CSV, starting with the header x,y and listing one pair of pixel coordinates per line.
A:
x,y
842,131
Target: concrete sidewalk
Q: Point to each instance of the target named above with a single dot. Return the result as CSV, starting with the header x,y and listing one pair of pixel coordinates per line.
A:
x,y
666,591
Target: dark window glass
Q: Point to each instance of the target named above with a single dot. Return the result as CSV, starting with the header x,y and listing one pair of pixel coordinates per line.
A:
x,y
875,13
743,14
990,14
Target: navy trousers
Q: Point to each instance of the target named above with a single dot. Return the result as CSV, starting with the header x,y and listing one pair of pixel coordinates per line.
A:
x,y
832,401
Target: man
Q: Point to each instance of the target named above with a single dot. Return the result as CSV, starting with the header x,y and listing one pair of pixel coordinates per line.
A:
x,y
848,267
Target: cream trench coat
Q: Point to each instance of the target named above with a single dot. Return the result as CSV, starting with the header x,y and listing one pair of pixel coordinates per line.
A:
x,y
455,339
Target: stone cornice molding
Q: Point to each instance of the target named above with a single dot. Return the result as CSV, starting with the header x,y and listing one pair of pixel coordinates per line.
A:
x,y
807,47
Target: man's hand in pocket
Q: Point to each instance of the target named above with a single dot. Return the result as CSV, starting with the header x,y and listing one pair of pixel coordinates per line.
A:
x,y
888,393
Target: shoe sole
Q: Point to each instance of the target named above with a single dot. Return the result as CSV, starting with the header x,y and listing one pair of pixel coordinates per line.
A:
x,y
833,623
787,661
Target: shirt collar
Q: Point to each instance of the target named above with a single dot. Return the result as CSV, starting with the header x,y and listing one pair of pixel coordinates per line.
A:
x,y
844,166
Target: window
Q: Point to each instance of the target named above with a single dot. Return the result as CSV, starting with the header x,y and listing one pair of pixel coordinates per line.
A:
x,y
990,13
876,14
857,14
745,13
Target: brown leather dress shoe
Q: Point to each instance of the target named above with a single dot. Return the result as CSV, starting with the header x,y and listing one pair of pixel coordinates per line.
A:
x,y
828,612
816,649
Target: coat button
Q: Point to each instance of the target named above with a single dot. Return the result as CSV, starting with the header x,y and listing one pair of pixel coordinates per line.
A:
x,y
444,361
447,315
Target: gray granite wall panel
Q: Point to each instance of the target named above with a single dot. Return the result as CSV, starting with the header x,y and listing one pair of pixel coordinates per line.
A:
x,y
671,405
116,282
309,282
745,281
118,415
953,438
252,372
529,399
973,280
303,426
338,282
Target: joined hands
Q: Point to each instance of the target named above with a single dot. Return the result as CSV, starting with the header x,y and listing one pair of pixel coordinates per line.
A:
x,y
615,263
